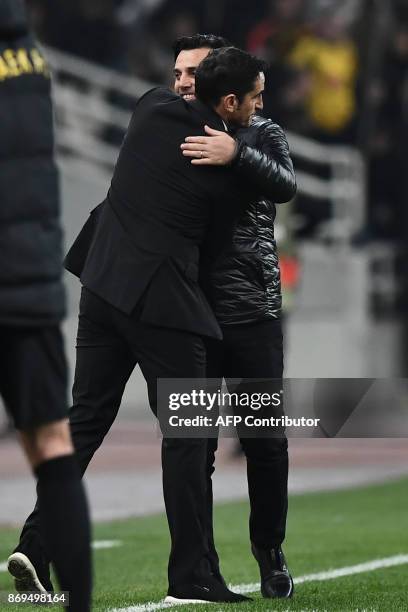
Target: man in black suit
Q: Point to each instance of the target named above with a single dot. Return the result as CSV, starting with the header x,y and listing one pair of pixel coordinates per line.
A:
x,y
137,258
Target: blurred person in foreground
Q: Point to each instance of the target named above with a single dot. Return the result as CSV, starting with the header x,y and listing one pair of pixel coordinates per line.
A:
x,y
243,286
33,374
137,258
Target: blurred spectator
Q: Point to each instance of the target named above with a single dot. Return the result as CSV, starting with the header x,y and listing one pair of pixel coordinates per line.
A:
x,y
277,33
150,56
387,150
328,55
232,19
87,28
274,39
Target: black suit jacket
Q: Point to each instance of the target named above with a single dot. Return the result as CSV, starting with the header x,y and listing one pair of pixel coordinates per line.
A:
x,y
140,247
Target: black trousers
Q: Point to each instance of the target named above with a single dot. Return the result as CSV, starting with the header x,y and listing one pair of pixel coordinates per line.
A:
x,y
248,352
109,345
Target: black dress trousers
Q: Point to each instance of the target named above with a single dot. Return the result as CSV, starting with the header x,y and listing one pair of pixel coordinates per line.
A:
x,y
247,352
109,345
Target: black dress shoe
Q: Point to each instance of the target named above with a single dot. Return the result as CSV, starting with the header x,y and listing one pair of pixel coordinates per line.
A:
x,y
203,591
276,581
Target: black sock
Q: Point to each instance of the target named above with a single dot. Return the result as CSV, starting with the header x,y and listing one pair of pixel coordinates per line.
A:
x,y
65,525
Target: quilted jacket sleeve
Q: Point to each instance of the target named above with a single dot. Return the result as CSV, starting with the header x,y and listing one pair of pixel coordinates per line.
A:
x,y
269,167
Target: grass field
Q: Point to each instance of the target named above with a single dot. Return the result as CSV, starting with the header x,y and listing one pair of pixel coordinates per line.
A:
x,y
325,531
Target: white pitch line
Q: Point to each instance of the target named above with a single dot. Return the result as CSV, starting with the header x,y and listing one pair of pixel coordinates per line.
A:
x,y
101,544
96,545
369,566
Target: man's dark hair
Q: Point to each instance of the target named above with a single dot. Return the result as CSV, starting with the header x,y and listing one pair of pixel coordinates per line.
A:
x,y
225,71
198,41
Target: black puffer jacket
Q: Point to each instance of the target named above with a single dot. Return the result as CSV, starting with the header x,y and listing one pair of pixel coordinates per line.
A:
x,y
245,278
31,291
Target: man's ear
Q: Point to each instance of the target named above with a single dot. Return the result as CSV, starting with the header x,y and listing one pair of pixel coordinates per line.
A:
x,y
230,103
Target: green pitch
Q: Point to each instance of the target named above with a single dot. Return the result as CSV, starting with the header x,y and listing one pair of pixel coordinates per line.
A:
x,y
325,531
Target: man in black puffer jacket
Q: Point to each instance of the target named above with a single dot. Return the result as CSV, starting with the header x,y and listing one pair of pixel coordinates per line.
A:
x,y
33,374
243,285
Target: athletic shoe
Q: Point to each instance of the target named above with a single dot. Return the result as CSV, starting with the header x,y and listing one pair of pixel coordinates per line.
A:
x,y
207,591
29,574
276,581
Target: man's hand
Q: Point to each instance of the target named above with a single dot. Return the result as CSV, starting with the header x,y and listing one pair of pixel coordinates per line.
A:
x,y
216,149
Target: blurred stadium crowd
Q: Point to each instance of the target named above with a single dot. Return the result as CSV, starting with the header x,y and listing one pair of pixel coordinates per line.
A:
x,y
338,69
